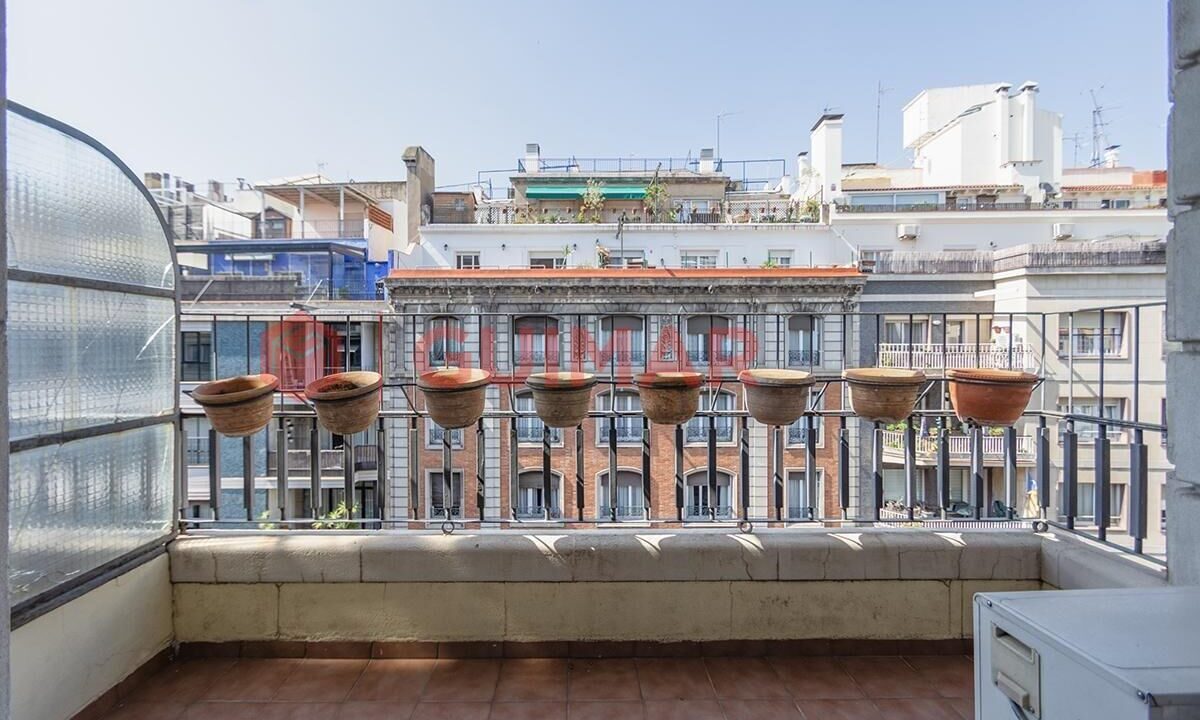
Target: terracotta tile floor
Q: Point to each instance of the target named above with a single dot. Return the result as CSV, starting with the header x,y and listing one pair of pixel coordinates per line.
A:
x,y
801,688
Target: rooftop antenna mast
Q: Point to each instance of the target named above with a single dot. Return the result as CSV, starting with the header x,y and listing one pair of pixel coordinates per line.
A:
x,y
1098,132
1076,140
879,91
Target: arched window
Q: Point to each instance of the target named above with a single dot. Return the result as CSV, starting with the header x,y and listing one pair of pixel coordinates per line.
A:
x,y
628,422
696,430
631,503
535,341
622,341
531,501
803,341
700,504
709,339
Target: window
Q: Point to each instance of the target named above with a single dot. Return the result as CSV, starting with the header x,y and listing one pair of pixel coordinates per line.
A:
x,y
1114,409
535,341
196,358
531,495
445,339
467,261
1085,506
1089,337
530,428
196,432
435,435
696,430
437,495
630,499
709,340
798,505
345,350
698,505
628,258
899,331
547,262
803,341
622,341
779,258
873,255
629,426
693,259
795,432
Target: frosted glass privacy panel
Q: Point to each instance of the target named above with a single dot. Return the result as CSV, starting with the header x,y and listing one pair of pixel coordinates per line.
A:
x,y
72,211
76,506
81,358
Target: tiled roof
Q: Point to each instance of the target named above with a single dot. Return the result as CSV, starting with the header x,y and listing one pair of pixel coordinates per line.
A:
x,y
1109,188
631,273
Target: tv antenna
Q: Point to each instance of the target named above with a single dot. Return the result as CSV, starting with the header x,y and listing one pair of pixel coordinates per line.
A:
x,y
879,91
1076,140
1099,134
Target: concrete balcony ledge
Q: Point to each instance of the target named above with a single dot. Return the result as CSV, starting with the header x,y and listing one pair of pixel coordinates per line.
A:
x,y
692,556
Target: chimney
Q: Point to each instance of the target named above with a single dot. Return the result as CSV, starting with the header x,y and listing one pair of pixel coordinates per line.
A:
x,y
1029,91
216,191
803,169
1112,156
533,157
707,166
826,147
1002,125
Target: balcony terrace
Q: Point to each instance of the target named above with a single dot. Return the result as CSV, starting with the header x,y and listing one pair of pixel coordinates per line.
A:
x,y
733,579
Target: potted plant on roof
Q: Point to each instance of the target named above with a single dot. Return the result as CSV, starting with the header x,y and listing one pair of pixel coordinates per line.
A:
x,y
669,398
238,406
776,397
346,403
657,202
883,394
562,399
454,396
591,205
990,397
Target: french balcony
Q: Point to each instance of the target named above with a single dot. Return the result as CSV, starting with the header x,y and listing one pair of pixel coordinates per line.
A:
x,y
993,446
406,598
953,356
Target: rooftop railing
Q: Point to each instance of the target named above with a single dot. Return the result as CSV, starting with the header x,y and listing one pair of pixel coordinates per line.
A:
x,y
1036,476
1067,205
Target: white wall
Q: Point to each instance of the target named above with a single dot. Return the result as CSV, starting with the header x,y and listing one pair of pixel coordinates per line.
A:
x,y
72,655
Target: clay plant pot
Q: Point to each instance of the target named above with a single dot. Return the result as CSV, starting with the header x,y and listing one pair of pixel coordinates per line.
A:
x,y
994,398
669,398
562,399
454,396
238,406
776,397
883,394
347,402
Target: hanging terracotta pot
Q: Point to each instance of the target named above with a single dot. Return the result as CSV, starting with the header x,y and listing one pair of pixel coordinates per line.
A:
x,y
669,398
238,406
347,402
454,396
562,399
994,398
883,394
776,397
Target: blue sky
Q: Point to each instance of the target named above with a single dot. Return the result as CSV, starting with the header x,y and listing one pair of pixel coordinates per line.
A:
x,y
264,88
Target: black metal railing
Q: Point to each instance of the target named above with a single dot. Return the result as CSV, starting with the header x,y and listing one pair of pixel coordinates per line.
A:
x,y
1035,478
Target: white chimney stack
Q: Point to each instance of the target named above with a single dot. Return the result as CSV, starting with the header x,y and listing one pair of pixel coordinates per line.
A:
x,y
826,146
533,157
707,166
1112,156
1029,91
1003,123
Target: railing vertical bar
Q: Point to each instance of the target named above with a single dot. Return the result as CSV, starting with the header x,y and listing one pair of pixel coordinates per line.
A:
x,y
646,480
314,468
214,474
816,505
777,470
1010,471
248,475
414,469
612,466
909,337
1070,473
877,468
447,474
712,466
579,487
844,466
910,467
348,476
1137,363
679,483
1043,466
977,471
744,448
1101,486
480,470
943,464
547,476
1010,341
878,337
281,467
978,350
514,447
1138,490
382,491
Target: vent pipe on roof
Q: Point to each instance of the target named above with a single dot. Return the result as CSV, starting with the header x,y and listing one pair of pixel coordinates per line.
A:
x,y
1112,156
1029,90
533,157
706,161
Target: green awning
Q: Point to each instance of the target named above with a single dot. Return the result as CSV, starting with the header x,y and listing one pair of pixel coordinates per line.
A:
x,y
570,192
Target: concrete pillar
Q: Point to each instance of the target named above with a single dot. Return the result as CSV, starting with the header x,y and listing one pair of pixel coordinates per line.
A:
x,y
1183,254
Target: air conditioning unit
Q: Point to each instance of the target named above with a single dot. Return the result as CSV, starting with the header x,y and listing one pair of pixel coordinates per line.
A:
x,y
907,231
1063,231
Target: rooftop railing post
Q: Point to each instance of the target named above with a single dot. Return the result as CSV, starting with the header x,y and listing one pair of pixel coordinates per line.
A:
x,y
447,476
547,477
381,471
1101,486
579,487
214,474
414,468
977,471
281,467
1010,471
646,481
943,465
348,490
910,467
514,441
712,467
314,469
777,471
248,475
480,471
1138,490
612,464
1043,466
844,467
877,468
810,467
1070,473
744,448
679,481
